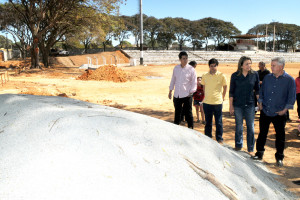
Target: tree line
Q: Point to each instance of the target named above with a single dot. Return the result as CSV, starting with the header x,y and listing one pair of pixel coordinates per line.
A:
x,y
286,36
38,25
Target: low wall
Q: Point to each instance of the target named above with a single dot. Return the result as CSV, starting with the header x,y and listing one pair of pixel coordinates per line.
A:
x,y
171,57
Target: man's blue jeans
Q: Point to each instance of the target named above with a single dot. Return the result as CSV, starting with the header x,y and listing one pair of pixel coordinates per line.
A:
x,y
216,111
247,112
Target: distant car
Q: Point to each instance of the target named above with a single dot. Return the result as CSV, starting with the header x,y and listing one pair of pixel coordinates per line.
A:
x,y
63,53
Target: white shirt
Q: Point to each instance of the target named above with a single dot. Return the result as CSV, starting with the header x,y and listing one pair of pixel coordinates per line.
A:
x,y
185,81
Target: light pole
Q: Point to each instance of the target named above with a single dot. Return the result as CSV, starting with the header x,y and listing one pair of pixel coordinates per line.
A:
x,y
141,32
6,42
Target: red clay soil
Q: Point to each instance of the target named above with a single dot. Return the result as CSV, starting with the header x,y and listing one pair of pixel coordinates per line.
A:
x,y
105,73
108,58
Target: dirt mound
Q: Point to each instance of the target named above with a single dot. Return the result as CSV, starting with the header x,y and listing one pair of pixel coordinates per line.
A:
x,y
102,58
105,73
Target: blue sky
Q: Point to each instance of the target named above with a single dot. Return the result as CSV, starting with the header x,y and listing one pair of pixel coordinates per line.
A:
x,y
244,14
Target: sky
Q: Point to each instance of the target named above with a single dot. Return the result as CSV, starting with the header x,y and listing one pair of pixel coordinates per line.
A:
x,y
243,14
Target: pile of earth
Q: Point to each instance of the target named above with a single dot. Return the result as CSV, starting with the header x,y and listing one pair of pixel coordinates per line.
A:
x,y
105,73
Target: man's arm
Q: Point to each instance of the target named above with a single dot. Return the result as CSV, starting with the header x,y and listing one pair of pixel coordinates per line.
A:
x,y
224,91
291,98
193,83
170,94
172,84
231,108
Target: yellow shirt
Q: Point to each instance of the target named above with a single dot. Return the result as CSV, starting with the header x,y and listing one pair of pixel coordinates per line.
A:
x,y
213,87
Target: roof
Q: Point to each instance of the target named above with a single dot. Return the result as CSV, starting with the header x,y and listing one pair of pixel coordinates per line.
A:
x,y
247,36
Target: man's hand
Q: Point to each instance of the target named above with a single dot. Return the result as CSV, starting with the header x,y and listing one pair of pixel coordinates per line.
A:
x,y
170,95
282,112
260,107
231,110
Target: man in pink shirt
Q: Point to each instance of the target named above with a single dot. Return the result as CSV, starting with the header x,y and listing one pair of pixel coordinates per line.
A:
x,y
184,79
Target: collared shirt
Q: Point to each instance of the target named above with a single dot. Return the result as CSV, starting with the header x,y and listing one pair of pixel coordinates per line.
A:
x,y
241,88
184,79
262,74
213,87
277,94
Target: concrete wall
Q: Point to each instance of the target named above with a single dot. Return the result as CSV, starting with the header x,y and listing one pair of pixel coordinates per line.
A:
x,y
7,55
171,57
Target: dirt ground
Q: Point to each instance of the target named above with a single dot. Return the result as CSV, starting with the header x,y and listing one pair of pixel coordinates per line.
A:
x,y
146,92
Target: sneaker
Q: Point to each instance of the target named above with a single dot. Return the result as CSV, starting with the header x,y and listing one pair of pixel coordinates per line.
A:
x,y
198,121
203,122
279,163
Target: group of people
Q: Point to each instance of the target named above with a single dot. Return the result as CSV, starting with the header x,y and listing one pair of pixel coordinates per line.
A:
x,y
270,93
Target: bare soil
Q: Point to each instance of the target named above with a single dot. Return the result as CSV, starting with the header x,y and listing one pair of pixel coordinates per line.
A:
x,y
145,91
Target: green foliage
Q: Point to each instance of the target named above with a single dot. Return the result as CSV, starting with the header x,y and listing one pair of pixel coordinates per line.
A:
x,y
287,36
4,43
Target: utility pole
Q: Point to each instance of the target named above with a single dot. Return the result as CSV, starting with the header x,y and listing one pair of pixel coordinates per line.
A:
x,y
141,32
6,42
266,36
274,39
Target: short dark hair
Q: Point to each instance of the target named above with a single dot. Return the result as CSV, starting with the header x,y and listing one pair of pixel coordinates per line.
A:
x,y
213,61
182,53
193,63
262,63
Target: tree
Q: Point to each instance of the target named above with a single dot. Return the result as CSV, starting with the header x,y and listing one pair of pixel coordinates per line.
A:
x,y
181,30
152,27
52,19
217,30
4,42
167,34
133,24
17,29
207,24
286,35
196,33
223,30
121,30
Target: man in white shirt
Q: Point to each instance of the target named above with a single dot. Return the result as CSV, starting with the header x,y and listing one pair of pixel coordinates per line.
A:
x,y
184,79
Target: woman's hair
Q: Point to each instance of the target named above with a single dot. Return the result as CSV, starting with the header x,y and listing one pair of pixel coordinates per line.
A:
x,y
240,64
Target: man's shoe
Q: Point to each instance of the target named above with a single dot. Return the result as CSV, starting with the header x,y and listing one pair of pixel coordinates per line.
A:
x,y
220,141
279,163
238,148
256,157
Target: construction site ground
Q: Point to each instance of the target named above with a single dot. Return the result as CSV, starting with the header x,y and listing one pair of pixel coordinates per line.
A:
x,y
144,89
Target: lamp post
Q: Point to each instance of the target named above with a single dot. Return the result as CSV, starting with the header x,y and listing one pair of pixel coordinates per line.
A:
x,y
141,34
6,42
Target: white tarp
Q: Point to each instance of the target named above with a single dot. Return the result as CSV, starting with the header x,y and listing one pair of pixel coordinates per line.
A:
x,y
55,148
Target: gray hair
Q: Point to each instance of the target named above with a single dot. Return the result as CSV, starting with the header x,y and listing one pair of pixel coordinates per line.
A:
x,y
279,60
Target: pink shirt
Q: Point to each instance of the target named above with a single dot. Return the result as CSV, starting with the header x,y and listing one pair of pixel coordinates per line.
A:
x,y
297,85
184,80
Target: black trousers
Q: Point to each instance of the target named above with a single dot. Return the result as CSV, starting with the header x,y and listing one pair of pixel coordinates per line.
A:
x,y
298,105
279,125
184,105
